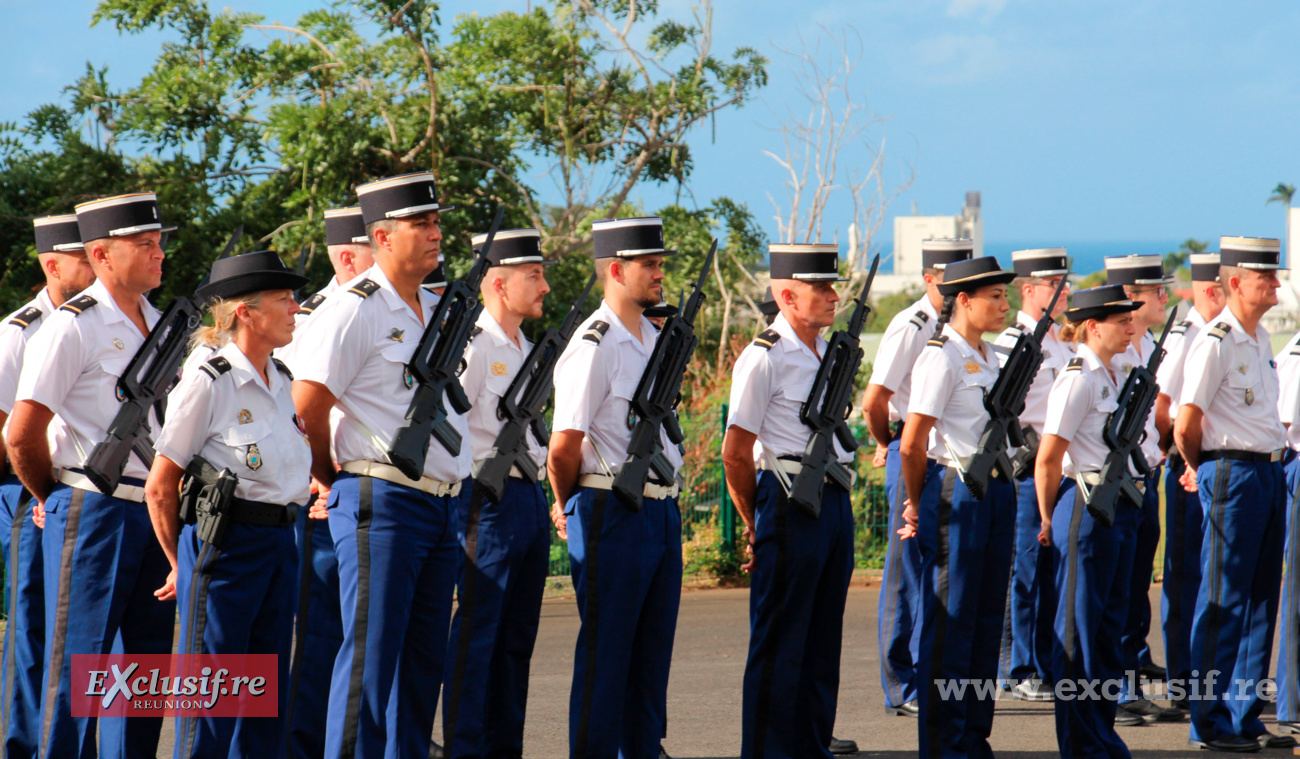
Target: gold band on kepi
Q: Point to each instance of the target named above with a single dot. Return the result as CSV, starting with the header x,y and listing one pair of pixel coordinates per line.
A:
x,y
512,247
969,276
399,196
939,252
1099,302
1204,266
629,238
119,216
807,262
1260,253
1040,262
58,234
1136,270
345,226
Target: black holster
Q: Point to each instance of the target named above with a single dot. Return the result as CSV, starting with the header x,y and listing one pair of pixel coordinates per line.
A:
x,y
1022,464
206,499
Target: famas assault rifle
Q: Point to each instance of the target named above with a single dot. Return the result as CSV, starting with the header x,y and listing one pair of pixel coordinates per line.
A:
x,y
826,408
434,368
1125,428
656,397
147,378
1005,401
522,405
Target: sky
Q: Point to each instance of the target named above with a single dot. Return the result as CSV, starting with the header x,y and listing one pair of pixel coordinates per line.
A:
x,y
1077,120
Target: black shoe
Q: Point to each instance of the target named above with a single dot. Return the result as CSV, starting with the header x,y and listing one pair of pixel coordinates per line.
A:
x,y
1147,709
1288,728
1152,672
1269,740
1182,704
840,747
1234,744
910,709
1127,719
435,751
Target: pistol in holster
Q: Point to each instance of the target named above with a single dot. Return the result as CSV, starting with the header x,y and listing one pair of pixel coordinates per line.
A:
x,y
206,499
1022,463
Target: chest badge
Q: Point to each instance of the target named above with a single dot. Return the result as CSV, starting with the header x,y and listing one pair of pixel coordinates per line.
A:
x,y
1105,393
408,379
498,369
245,416
396,335
117,343
253,458
972,368
1241,368
1250,396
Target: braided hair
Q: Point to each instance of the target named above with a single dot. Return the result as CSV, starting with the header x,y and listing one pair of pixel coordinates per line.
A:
x,y
945,312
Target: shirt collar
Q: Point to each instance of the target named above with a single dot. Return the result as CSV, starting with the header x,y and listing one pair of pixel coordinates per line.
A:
x,y
395,303
964,348
621,332
791,340
241,369
44,302
488,323
1091,361
925,305
1195,318
104,299
1238,332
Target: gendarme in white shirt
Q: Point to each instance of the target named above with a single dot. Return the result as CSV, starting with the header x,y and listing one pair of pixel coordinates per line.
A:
x,y
948,384
1232,378
1056,354
16,329
1170,374
492,361
1082,398
900,346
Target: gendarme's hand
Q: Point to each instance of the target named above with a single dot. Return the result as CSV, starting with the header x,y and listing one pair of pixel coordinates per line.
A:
x,y
1188,480
911,520
748,534
561,521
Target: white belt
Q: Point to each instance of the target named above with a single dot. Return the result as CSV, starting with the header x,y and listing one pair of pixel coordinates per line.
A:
x,y
82,482
390,473
605,482
789,466
514,471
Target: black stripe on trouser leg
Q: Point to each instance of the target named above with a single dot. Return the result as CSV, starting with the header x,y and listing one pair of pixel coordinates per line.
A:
x,y
892,592
465,600
1179,633
200,577
780,581
1218,519
591,619
1070,638
54,673
933,719
1004,655
300,626
14,566
352,716
1290,651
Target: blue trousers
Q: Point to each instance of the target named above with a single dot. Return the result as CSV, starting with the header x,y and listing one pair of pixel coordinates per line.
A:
x,y
505,554
797,594
1137,625
24,646
397,554
1032,599
627,572
966,549
1182,582
1236,610
317,637
102,566
236,600
1094,564
900,597
1288,658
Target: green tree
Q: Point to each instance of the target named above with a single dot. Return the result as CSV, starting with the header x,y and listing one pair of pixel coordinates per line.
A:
x,y
1176,260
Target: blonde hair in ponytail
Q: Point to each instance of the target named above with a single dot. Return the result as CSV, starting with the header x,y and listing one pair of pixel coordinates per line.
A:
x,y
224,323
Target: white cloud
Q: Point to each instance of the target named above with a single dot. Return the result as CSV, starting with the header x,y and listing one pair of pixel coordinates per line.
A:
x,y
968,8
949,58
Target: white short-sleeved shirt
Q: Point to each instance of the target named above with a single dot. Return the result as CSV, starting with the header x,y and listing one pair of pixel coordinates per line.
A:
x,y
237,422
358,348
899,349
595,380
492,361
1233,380
768,387
1288,404
1138,354
948,384
1082,398
1170,374
16,329
1056,354
71,366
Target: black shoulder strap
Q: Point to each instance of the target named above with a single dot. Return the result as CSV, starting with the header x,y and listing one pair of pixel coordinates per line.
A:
x,y
1220,330
1181,327
365,288
473,333
596,332
1076,364
767,338
919,319
282,367
938,341
78,305
215,367
312,303
24,318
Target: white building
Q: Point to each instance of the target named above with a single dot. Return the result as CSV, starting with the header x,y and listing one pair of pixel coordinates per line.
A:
x,y
910,231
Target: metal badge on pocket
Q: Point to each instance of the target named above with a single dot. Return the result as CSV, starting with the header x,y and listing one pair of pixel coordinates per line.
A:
x,y
254,457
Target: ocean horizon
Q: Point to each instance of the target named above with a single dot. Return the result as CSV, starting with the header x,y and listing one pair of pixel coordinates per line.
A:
x,y
1085,257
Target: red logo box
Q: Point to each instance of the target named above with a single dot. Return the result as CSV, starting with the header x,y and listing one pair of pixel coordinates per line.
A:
x,y
187,685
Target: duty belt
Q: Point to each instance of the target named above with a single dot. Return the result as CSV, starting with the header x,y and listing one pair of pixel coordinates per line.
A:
x,y
1270,457
793,466
516,472
262,514
605,482
128,488
390,473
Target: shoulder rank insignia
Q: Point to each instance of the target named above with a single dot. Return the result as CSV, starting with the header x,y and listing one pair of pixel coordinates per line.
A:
x,y
596,332
1181,327
312,303
938,341
1220,330
24,319
283,367
365,288
215,366
78,305
1296,350
767,338
1075,365
919,319
1017,327
473,333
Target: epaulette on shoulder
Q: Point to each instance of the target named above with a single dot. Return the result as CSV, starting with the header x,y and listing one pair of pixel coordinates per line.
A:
x,y
767,338
24,319
1001,349
596,332
937,341
1075,365
1220,330
78,305
283,367
1181,327
919,319
365,288
1017,326
473,333
215,367
312,303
